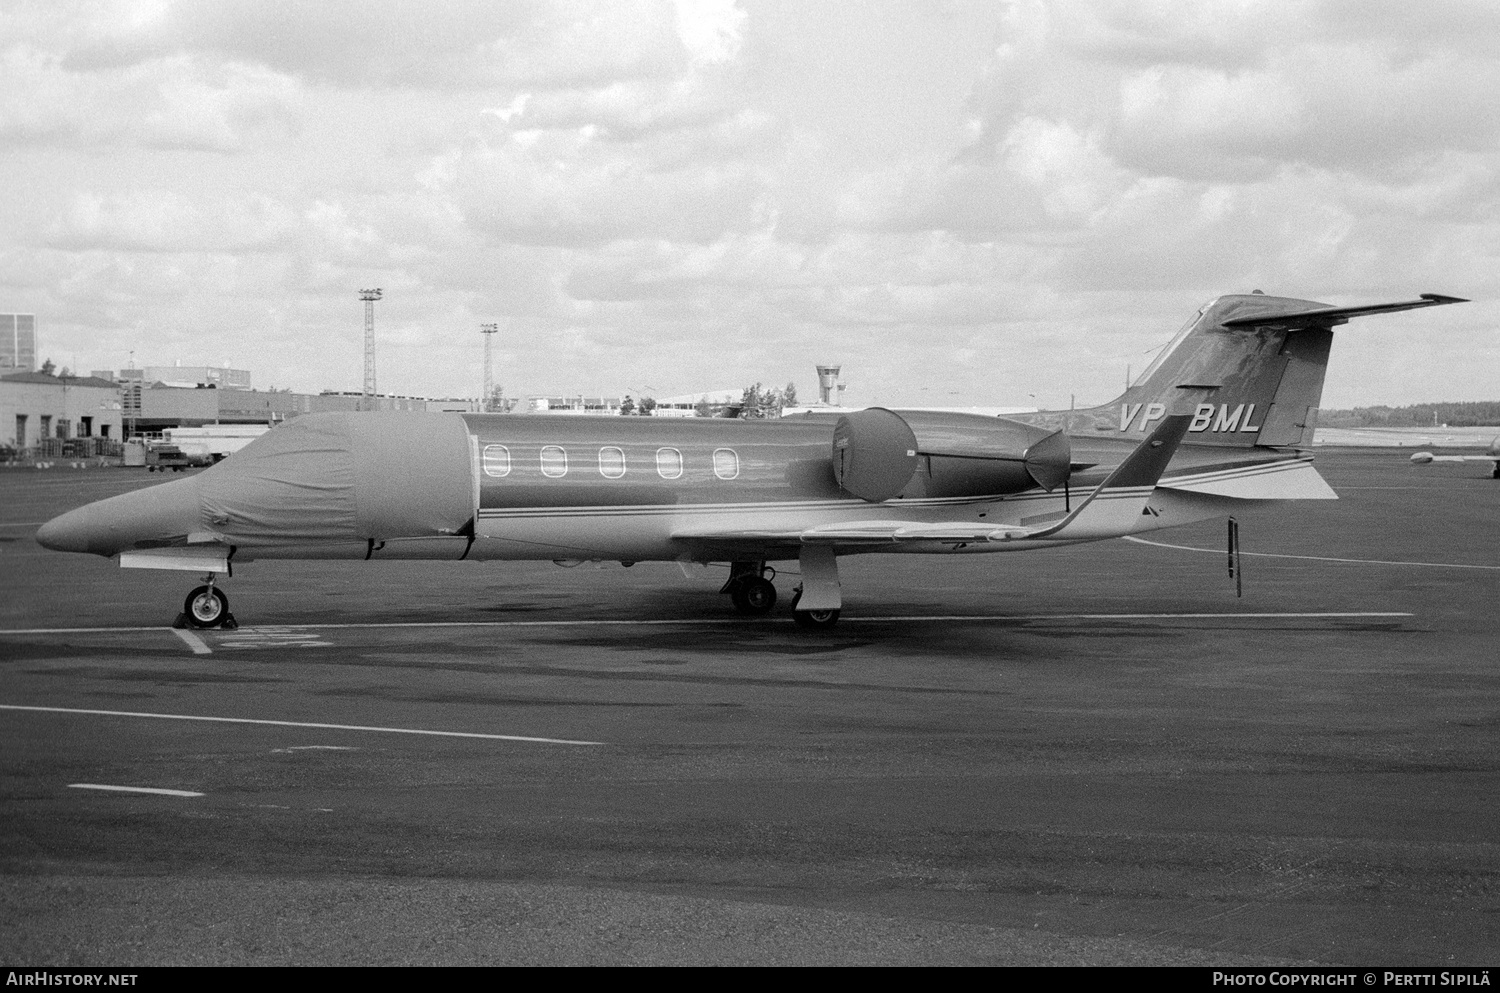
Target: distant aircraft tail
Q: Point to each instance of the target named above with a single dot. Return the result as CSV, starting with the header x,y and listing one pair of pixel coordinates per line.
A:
x,y
1264,358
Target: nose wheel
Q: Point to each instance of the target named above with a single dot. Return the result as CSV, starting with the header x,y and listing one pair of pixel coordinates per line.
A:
x,y
206,607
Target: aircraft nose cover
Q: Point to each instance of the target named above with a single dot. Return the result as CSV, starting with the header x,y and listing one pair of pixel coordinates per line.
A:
x,y
874,454
346,476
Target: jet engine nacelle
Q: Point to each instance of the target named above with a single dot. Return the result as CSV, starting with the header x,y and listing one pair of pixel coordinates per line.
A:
x,y
878,454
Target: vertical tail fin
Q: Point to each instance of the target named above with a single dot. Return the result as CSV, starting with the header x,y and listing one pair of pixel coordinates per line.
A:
x,y
1267,356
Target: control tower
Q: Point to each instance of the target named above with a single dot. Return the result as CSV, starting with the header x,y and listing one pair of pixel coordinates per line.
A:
x,y
829,387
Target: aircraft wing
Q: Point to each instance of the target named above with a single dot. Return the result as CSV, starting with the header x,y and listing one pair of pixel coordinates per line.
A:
x,y
1422,458
862,533
1109,511
897,532
1492,454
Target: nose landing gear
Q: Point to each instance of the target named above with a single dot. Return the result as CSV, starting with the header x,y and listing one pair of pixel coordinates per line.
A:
x,y
206,607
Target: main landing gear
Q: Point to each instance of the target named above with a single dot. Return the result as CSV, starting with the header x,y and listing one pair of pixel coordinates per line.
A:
x,y
206,607
750,589
813,620
753,594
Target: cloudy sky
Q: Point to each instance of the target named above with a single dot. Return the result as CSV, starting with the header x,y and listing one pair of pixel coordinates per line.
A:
x,y
962,202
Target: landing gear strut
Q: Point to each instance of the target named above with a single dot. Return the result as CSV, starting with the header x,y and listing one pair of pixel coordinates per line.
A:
x,y
813,620
749,588
207,607
819,590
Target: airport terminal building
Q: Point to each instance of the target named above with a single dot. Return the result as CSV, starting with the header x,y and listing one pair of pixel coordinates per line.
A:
x,y
42,411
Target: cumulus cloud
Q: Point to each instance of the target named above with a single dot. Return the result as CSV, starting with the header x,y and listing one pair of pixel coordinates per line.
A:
x,y
623,179
179,102
404,43
1223,91
163,221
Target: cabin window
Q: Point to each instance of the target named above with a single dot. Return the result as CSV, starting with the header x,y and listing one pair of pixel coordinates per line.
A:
x,y
726,463
668,463
554,462
496,460
611,463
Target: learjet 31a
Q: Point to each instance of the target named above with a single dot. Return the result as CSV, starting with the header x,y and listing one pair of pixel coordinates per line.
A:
x,y
1218,423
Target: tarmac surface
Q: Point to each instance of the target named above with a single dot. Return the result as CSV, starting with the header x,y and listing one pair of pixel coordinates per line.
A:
x,y
1095,755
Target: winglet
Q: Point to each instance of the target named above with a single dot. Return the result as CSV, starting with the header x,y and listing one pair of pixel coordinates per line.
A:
x,y
1115,506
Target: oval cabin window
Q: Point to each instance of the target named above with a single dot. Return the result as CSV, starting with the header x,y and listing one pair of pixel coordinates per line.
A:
x,y
554,462
611,463
668,463
496,460
726,463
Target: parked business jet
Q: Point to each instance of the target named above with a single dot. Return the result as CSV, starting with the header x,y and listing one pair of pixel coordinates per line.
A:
x,y
1491,456
1215,424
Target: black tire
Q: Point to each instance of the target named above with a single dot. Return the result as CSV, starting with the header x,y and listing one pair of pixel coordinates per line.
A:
x,y
816,620
205,607
754,596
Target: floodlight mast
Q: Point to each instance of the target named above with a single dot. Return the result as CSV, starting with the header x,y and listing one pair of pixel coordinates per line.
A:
x,y
487,402
369,297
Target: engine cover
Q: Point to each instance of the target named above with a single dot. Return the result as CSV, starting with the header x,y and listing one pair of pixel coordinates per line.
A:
x,y
874,454
879,454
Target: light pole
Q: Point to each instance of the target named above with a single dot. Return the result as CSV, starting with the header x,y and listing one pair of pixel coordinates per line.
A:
x,y
369,297
487,401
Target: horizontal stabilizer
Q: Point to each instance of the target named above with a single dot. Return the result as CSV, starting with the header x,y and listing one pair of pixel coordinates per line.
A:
x,y
1323,317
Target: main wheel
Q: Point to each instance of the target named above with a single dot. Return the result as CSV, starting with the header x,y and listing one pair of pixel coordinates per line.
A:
x,y
206,607
754,596
816,620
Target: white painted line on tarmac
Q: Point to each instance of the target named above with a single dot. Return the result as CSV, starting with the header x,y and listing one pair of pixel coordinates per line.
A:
x,y
105,630
300,724
197,644
133,789
313,748
702,621
1321,615
741,621
1313,558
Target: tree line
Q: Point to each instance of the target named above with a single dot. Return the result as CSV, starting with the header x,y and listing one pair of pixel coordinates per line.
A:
x,y
1477,413
757,401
